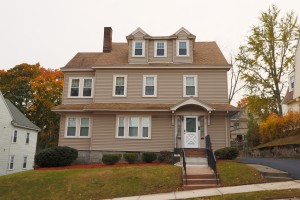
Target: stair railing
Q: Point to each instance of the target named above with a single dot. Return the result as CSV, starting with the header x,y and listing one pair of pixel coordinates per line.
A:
x,y
211,159
184,165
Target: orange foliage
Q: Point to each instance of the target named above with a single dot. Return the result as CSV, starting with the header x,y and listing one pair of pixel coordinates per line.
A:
x,y
275,127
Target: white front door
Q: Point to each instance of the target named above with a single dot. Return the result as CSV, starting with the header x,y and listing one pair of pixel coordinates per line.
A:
x,y
190,132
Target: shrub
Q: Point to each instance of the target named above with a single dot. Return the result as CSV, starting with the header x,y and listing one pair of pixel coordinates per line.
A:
x,y
130,157
56,156
227,153
110,159
165,156
149,157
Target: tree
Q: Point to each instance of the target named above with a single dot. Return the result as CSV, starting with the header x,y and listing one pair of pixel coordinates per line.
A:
x,y
35,91
253,131
268,56
234,86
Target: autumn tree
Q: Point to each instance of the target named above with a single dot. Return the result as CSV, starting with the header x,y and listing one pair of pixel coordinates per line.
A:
x,y
35,90
268,56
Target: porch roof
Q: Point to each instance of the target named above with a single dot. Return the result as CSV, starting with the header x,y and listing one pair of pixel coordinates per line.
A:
x,y
139,107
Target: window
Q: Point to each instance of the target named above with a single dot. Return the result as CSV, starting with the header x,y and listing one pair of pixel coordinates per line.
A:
x,y
81,87
236,125
138,49
27,138
11,162
190,86
292,81
120,85
182,47
160,49
14,137
78,127
25,162
149,89
136,127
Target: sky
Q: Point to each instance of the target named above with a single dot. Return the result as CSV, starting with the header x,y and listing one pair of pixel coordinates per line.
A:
x,y
51,32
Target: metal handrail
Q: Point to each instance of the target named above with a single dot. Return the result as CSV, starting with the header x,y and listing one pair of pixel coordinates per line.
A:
x,y
184,165
211,159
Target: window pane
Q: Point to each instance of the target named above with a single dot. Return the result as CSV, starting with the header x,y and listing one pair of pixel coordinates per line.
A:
x,y
72,122
120,81
25,162
138,52
84,131
133,126
149,90
145,126
160,52
182,45
87,83
71,131
87,92
85,122
138,45
133,131
119,90
190,81
160,45
121,131
75,83
145,131
190,90
150,81
191,124
121,126
71,126
121,122
74,92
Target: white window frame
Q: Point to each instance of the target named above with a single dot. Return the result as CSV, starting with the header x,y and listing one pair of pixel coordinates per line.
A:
x,y
11,159
144,85
143,48
196,85
292,83
27,139
14,135
114,85
78,125
81,86
140,127
25,160
165,48
187,48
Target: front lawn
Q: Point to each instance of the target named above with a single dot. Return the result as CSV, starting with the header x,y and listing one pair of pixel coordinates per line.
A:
x,y
235,173
97,183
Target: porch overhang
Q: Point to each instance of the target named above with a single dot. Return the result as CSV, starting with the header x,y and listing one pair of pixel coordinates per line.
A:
x,y
192,101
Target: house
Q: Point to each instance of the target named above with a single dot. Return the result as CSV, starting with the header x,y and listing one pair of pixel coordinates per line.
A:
x,y
151,93
18,137
291,101
239,127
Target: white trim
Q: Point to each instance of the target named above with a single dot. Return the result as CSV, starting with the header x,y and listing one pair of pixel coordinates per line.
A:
x,y
187,48
133,48
139,30
126,127
114,85
165,48
77,127
155,85
171,66
196,131
182,29
195,82
13,136
81,84
192,101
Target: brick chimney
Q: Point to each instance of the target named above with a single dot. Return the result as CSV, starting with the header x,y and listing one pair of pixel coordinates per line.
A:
x,y
107,40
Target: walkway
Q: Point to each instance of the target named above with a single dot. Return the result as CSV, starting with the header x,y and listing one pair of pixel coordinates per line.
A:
x,y
217,191
291,166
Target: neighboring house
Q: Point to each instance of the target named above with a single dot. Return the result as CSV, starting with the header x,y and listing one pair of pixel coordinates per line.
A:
x,y
18,137
151,93
291,101
239,127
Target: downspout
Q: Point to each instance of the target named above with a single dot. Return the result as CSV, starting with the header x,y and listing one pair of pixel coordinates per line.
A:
x,y
226,128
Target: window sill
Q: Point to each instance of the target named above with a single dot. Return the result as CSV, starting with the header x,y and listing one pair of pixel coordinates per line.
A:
x,y
148,96
76,137
133,138
10,170
70,97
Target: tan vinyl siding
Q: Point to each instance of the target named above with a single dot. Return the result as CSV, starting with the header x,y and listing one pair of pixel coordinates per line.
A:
x,y
77,143
211,87
67,76
217,131
162,135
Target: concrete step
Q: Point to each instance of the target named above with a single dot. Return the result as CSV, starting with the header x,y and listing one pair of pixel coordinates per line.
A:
x,y
199,176
199,186
199,181
194,161
276,179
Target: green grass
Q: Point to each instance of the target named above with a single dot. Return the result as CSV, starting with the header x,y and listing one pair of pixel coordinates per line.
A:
x,y
295,139
90,183
235,173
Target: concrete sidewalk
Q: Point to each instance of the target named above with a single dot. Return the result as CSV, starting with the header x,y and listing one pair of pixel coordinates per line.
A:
x,y
217,191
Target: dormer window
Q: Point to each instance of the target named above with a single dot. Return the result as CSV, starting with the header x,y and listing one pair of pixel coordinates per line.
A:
x,y
292,82
182,47
138,49
160,49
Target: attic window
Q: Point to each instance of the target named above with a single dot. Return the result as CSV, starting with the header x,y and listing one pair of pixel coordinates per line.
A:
x,y
138,49
160,49
182,47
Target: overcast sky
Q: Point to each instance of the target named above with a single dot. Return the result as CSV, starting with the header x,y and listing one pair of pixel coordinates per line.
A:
x,y
52,32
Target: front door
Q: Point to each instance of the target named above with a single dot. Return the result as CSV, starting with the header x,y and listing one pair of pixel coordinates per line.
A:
x,y
191,136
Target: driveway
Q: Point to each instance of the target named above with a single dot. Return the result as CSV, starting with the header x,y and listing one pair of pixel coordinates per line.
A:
x,y
292,166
